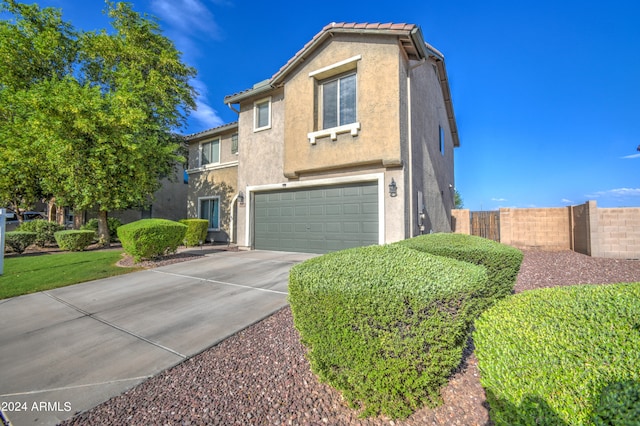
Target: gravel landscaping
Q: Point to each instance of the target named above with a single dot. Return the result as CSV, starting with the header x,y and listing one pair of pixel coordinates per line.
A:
x,y
260,376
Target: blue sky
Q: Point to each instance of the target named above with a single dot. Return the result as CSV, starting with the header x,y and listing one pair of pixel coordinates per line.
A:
x,y
546,93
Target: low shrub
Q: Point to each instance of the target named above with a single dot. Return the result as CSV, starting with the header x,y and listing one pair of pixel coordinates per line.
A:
x,y
151,238
196,231
44,230
619,404
552,353
74,240
18,241
113,224
385,325
502,261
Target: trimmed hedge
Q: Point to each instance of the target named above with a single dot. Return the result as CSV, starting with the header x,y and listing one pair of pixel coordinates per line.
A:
x,y
196,231
18,241
385,325
74,240
44,230
562,355
113,223
502,261
151,238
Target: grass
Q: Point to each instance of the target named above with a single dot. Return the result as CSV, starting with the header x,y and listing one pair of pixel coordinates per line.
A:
x,y
30,274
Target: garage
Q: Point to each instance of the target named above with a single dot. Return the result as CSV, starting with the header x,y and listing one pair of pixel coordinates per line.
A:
x,y
317,219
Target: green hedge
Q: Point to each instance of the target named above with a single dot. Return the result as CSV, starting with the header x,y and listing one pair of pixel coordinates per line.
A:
x,y
44,230
74,240
502,261
196,231
151,238
18,241
562,355
385,325
113,224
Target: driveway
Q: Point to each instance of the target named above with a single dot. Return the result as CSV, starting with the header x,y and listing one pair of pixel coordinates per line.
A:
x,y
69,349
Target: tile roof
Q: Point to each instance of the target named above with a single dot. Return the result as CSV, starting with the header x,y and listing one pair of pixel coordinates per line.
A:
x,y
364,27
212,130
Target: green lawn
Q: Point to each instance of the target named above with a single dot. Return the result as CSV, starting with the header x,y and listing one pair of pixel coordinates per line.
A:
x,y
29,274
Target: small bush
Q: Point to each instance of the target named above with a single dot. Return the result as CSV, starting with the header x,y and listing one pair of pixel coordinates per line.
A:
x,y
74,240
44,230
18,241
196,231
113,224
385,325
619,404
151,238
502,261
551,353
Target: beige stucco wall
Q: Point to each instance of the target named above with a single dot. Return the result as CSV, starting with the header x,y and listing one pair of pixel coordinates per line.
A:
x,y
377,107
433,171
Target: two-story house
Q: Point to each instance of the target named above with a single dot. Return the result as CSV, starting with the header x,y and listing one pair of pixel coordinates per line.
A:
x,y
350,143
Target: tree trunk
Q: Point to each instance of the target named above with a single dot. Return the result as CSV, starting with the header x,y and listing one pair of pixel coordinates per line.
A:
x,y
103,229
78,218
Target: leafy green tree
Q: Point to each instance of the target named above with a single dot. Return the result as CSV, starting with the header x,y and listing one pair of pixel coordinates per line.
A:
x,y
102,120
35,47
457,200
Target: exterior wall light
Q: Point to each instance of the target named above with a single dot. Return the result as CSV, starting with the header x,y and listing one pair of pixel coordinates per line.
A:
x,y
241,197
393,188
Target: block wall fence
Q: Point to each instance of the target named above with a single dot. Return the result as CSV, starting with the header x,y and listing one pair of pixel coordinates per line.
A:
x,y
585,228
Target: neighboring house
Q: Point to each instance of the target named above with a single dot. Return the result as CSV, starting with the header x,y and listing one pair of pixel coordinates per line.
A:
x,y
350,143
213,179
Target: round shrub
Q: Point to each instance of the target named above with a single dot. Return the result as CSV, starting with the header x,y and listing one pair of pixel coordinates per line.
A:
x,y
113,223
551,353
74,240
502,261
151,238
619,404
44,230
18,241
196,231
385,325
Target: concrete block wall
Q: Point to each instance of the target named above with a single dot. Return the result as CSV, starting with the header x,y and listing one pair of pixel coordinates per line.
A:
x,y
461,221
543,228
618,233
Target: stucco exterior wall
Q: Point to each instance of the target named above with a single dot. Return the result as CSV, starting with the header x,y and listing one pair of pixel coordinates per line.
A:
x,y
432,173
377,107
261,154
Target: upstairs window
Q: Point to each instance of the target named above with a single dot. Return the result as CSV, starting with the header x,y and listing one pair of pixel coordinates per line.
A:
x,y
339,101
210,152
234,143
441,139
262,115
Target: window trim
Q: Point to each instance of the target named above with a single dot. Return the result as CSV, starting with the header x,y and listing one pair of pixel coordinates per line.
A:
x,y
213,197
266,100
201,156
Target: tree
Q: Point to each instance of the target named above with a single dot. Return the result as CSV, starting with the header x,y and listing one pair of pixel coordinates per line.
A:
x,y
34,48
107,121
457,200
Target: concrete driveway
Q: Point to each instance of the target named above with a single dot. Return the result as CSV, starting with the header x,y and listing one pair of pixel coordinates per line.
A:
x,y
69,349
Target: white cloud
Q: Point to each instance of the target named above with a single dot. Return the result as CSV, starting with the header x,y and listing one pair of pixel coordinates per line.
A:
x,y
187,16
617,192
499,199
631,156
204,113
566,201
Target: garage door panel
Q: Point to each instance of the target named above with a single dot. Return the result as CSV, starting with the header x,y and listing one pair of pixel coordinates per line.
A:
x,y
319,219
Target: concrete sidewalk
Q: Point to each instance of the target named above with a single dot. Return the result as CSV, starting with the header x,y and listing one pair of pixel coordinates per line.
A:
x,y
67,350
